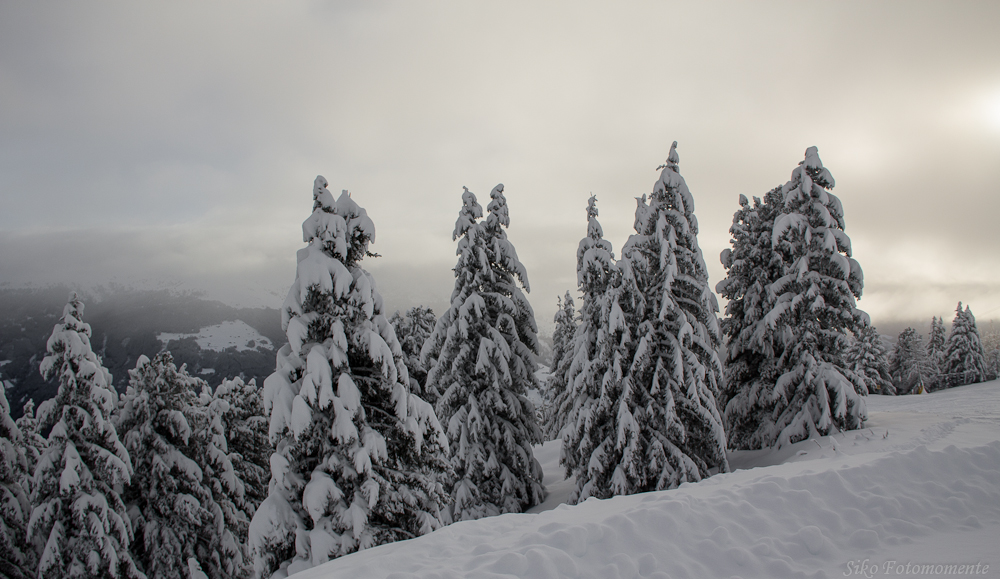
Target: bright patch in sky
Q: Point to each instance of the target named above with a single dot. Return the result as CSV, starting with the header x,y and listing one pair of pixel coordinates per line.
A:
x,y
993,110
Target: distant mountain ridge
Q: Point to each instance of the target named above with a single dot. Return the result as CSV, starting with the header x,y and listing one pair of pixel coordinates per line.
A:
x,y
128,324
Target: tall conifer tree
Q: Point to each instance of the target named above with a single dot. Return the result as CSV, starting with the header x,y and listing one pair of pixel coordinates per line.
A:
x,y
964,361
937,343
557,394
752,266
796,381
481,357
590,450
359,460
675,374
175,498
666,372
78,516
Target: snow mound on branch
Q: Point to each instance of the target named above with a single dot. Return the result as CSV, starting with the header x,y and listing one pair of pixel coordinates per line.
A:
x,y
924,494
222,336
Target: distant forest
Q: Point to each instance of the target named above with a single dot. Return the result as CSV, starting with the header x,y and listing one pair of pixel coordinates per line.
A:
x,y
125,325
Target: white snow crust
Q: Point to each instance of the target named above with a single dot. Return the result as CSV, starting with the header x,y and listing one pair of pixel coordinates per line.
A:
x,y
228,334
919,485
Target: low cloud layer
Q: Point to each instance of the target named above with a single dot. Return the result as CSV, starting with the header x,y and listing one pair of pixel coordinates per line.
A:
x,y
176,144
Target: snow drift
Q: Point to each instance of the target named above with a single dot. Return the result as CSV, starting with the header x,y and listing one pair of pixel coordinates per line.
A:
x,y
920,486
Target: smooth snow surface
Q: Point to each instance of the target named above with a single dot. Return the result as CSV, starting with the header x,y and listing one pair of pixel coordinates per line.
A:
x,y
920,485
236,334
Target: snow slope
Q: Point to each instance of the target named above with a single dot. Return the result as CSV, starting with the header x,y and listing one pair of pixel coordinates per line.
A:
x,y
219,337
919,486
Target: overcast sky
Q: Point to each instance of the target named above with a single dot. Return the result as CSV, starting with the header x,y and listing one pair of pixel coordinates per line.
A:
x,y
175,144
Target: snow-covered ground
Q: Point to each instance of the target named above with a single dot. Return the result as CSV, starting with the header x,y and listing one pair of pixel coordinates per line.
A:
x,y
916,493
222,336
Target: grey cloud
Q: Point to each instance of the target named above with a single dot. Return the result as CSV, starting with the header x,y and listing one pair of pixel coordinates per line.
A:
x,y
204,126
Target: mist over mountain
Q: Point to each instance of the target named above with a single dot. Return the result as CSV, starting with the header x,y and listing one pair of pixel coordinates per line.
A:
x,y
129,323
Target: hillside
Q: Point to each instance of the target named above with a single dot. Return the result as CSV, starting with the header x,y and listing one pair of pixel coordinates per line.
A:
x,y
918,486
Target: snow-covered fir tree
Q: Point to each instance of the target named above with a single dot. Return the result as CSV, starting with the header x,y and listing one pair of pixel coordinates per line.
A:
x,y
867,357
412,330
16,556
752,266
964,361
359,460
909,366
246,429
557,395
937,342
175,511
667,428
593,356
481,358
78,519
803,387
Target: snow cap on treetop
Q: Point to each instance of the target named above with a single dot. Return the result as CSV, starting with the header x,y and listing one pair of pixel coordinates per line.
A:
x,y
497,208
342,227
594,230
814,167
673,158
471,211
641,212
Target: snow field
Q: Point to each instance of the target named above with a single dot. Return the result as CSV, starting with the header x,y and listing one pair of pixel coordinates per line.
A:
x,y
235,334
927,493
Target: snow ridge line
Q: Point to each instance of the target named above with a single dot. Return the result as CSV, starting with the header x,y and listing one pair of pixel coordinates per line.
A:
x,y
776,521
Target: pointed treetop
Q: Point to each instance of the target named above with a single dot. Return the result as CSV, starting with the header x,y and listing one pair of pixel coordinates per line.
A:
x,y
471,211
73,307
594,230
641,212
672,158
592,206
498,209
814,167
321,195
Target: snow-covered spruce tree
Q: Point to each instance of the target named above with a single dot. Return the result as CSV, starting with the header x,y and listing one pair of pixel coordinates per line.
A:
x,y
16,557
359,460
668,429
867,357
174,511
594,449
246,429
937,342
412,330
78,519
557,394
594,356
964,361
481,357
752,266
909,367
809,390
